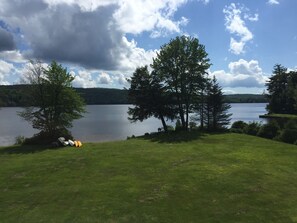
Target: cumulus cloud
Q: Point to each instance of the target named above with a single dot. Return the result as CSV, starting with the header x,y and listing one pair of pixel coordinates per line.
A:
x,y
235,16
13,56
152,16
5,70
88,32
104,78
273,2
121,79
242,73
6,40
83,79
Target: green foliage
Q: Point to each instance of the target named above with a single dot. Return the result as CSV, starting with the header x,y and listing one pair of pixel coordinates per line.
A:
x,y
178,125
56,104
181,66
19,140
269,130
239,125
245,98
95,96
289,133
148,97
252,128
216,110
19,96
281,91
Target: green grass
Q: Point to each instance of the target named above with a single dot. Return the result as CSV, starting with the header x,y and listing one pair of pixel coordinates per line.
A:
x,y
199,178
284,116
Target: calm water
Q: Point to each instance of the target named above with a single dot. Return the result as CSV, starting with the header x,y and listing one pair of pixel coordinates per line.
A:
x,y
107,123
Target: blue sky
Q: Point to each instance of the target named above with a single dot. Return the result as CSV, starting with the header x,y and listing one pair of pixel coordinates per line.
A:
x,y
102,42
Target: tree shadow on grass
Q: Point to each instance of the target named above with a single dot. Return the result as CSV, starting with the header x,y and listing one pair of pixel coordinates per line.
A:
x,y
26,149
174,136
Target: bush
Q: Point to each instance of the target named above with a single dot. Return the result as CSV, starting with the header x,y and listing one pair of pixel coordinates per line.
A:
x,y
45,138
252,128
239,125
289,133
19,140
269,130
178,125
235,130
170,128
192,125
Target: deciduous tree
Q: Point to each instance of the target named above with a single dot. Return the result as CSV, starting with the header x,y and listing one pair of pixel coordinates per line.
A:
x,y
181,65
55,103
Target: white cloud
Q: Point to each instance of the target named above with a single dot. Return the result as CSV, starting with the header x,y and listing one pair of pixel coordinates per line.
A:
x,y
242,73
204,1
104,78
235,24
133,56
153,16
5,70
13,56
83,79
273,2
121,79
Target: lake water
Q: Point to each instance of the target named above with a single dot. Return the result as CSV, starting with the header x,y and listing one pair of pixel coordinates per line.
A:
x,y
108,123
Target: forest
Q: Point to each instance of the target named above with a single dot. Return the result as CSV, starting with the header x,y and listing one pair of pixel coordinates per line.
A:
x,y
17,96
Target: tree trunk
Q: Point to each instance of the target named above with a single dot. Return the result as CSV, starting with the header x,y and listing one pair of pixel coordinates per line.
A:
x,y
163,123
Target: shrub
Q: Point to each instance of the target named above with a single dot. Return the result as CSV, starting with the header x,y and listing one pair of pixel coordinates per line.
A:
x,y
252,128
235,130
289,133
192,125
19,140
239,125
45,138
269,130
178,125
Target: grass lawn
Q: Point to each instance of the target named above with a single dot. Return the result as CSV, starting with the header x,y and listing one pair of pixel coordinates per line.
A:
x,y
284,116
198,178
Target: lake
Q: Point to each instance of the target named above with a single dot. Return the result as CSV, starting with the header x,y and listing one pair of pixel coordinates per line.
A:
x,y
108,123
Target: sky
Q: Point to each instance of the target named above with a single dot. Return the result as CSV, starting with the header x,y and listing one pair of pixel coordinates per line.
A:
x,y
102,42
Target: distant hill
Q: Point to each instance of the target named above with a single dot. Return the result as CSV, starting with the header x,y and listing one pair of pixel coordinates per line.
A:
x,y
246,98
17,95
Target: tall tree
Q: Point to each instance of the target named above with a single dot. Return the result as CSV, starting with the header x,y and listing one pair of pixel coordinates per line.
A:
x,y
55,103
148,97
281,87
216,110
181,65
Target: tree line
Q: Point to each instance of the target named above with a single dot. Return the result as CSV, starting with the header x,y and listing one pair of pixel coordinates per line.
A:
x,y
19,96
177,87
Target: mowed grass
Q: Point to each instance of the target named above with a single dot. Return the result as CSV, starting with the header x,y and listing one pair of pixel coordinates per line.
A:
x,y
202,178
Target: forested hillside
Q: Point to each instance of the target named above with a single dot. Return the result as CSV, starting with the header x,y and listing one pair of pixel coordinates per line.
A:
x,y
17,95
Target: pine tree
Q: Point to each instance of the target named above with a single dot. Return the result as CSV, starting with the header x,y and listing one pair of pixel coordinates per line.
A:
x,y
216,110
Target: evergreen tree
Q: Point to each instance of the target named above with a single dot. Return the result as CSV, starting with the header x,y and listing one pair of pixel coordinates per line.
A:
x,y
281,91
148,97
215,109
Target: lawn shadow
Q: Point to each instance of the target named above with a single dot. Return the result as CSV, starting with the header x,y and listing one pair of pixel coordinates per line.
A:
x,y
26,149
173,136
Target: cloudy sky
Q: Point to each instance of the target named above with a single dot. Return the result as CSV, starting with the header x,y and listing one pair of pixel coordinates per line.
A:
x,y
101,42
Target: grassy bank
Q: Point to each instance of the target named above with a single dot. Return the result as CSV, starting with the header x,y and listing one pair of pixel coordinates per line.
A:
x,y
199,178
279,116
